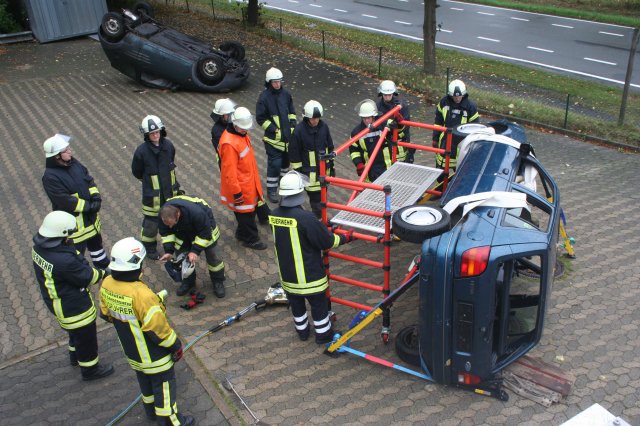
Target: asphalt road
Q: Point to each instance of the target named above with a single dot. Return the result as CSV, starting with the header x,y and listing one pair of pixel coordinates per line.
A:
x,y
582,48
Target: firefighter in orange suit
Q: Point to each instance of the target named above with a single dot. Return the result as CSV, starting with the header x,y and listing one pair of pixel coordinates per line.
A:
x,y
148,341
240,187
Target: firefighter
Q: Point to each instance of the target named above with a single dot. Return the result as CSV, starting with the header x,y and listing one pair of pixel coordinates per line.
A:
x,y
310,139
72,189
188,226
154,165
65,276
389,99
221,116
147,340
455,108
276,115
299,241
362,149
240,187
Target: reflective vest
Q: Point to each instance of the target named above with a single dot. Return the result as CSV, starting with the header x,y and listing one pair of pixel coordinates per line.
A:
x,y
70,188
450,114
195,230
239,172
155,167
139,318
64,276
299,239
304,147
277,116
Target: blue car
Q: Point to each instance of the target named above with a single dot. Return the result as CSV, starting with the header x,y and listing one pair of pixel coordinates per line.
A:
x,y
161,57
487,262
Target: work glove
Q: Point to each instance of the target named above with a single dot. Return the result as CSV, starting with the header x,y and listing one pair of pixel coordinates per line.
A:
x,y
238,199
392,124
176,350
434,143
94,203
292,124
346,238
359,168
195,299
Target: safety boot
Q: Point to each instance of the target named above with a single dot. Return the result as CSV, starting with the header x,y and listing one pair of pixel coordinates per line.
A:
x,y
218,289
272,195
97,372
152,252
186,285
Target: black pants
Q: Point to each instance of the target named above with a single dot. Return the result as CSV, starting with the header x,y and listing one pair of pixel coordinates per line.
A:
x,y
96,251
319,313
247,230
160,390
149,231
314,201
83,342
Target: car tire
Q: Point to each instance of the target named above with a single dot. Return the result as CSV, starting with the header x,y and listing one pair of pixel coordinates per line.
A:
x,y
234,49
112,26
416,223
210,69
407,346
143,8
461,131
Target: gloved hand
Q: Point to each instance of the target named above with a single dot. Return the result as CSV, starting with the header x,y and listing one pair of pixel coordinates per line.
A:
x,y
292,124
346,238
359,168
177,355
180,192
238,199
392,124
434,143
94,204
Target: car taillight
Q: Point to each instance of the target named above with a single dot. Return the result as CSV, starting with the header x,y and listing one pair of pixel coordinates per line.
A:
x,y
468,379
474,261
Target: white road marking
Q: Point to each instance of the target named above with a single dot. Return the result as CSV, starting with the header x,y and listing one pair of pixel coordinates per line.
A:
x,y
340,10
445,31
456,8
315,5
402,22
600,61
562,26
294,1
611,34
519,19
540,49
486,13
370,16
455,46
489,39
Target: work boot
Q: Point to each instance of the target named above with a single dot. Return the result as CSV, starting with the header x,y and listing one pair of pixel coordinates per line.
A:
x,y
326,337
73,359
218,289
186,420
152,253
185,287
97,372
304,334
272,195
256,245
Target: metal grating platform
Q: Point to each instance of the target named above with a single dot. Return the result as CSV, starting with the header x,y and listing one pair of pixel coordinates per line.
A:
x,y
408,183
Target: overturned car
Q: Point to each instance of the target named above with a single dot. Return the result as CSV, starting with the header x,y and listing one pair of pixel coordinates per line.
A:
x,y
161,57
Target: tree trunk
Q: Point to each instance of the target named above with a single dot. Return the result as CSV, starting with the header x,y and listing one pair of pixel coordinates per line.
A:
x,y
252,12
429,34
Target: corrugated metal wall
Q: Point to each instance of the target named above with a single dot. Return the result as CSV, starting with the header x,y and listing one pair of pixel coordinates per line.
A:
x,y
58,19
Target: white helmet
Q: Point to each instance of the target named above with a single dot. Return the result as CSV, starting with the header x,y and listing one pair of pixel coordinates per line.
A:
x,y
367,108
273,74
312,109
457,88
224,106
387,87
292,183
151,123
242,118
58,224
127,255
187,267
55,145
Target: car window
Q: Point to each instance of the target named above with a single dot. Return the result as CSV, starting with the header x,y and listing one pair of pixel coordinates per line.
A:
x,y
537,214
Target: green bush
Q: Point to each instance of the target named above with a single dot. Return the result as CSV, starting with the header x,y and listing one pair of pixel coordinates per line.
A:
x,y
8,24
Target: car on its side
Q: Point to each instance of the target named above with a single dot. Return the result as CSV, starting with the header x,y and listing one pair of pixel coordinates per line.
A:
x,y
162,57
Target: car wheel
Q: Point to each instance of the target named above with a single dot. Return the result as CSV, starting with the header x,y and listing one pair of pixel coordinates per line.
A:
x,y
112,26
234,49
210,69
407,345
416,223
143,8
461,131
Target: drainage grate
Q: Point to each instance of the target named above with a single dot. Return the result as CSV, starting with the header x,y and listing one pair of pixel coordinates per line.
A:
x,y
408,183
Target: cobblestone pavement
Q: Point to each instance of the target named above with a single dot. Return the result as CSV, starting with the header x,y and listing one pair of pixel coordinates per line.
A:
x,y
68,87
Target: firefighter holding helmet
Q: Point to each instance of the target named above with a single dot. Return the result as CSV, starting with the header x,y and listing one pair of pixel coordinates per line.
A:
x,y
149,343
299,241
154,165
311,138
64,277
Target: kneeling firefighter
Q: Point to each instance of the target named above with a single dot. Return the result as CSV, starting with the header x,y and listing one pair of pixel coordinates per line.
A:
x,y
148,341
299,241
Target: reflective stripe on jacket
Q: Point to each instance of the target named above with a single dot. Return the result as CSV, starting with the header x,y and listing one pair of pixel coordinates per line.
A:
x,y
155,167
276,114
362,149
239,172
450,114
195,230
139,318
63,276
299,239
404,132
